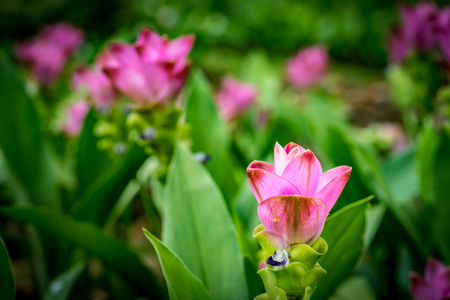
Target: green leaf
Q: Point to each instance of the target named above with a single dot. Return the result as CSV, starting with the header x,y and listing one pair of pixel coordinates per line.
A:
x,y
21,138
62,285
122,204
91,162
92,240
181,282
344,234
7,286
102,194
209,132
198,227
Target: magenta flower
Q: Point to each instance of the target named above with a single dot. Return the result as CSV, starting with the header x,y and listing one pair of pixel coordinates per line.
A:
x,y
435,285
152,70
399,48
48,52
294,195
418,25
443,32
307,67
234,98
100,87
75,114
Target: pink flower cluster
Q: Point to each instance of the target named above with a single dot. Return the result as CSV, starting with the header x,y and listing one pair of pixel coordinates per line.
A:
x,y
234,98
148,72
48,52
294,195
308,67
435,285
424,28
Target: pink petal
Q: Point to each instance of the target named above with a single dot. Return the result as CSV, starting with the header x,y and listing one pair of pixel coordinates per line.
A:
x,y
421,290
178,50
280,158
305,172
333,173
265,184
434,269
131,83
297,219
293,146
331,191
438,275
126,55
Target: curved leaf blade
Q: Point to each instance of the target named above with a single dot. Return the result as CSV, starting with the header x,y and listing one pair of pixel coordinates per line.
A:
x,y
198,227
181,282
344,234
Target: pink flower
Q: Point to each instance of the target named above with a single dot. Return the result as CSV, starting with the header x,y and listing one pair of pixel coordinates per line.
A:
x,y
152,70
294,195
443,32
418,25
435,285
100,87
234,98
399,48
48,52
307,67
75,114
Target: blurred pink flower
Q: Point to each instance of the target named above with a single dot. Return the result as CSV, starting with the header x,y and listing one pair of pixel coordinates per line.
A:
x,y
75,113
100,87
152,70
234,98
399,48
48,52
443,32
395,135
418,25
308,67
294,195
435,285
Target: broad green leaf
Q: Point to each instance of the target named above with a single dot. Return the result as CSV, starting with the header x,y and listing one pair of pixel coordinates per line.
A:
x,y
344,234
434,164
402,176
181,282
92,240
209,133
62,285
367,178
7,286
91,162
355,288
198,228
374,216
102,194
21,138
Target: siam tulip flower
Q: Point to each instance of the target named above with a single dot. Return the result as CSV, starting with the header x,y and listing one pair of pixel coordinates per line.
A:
x,y
435,285
399,48
152,70
75,114
101,90
234,98
443,32
48,52
418,25
294,196
307,67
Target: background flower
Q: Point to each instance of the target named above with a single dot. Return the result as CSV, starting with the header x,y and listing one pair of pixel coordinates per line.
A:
x,y
234,97
308,67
